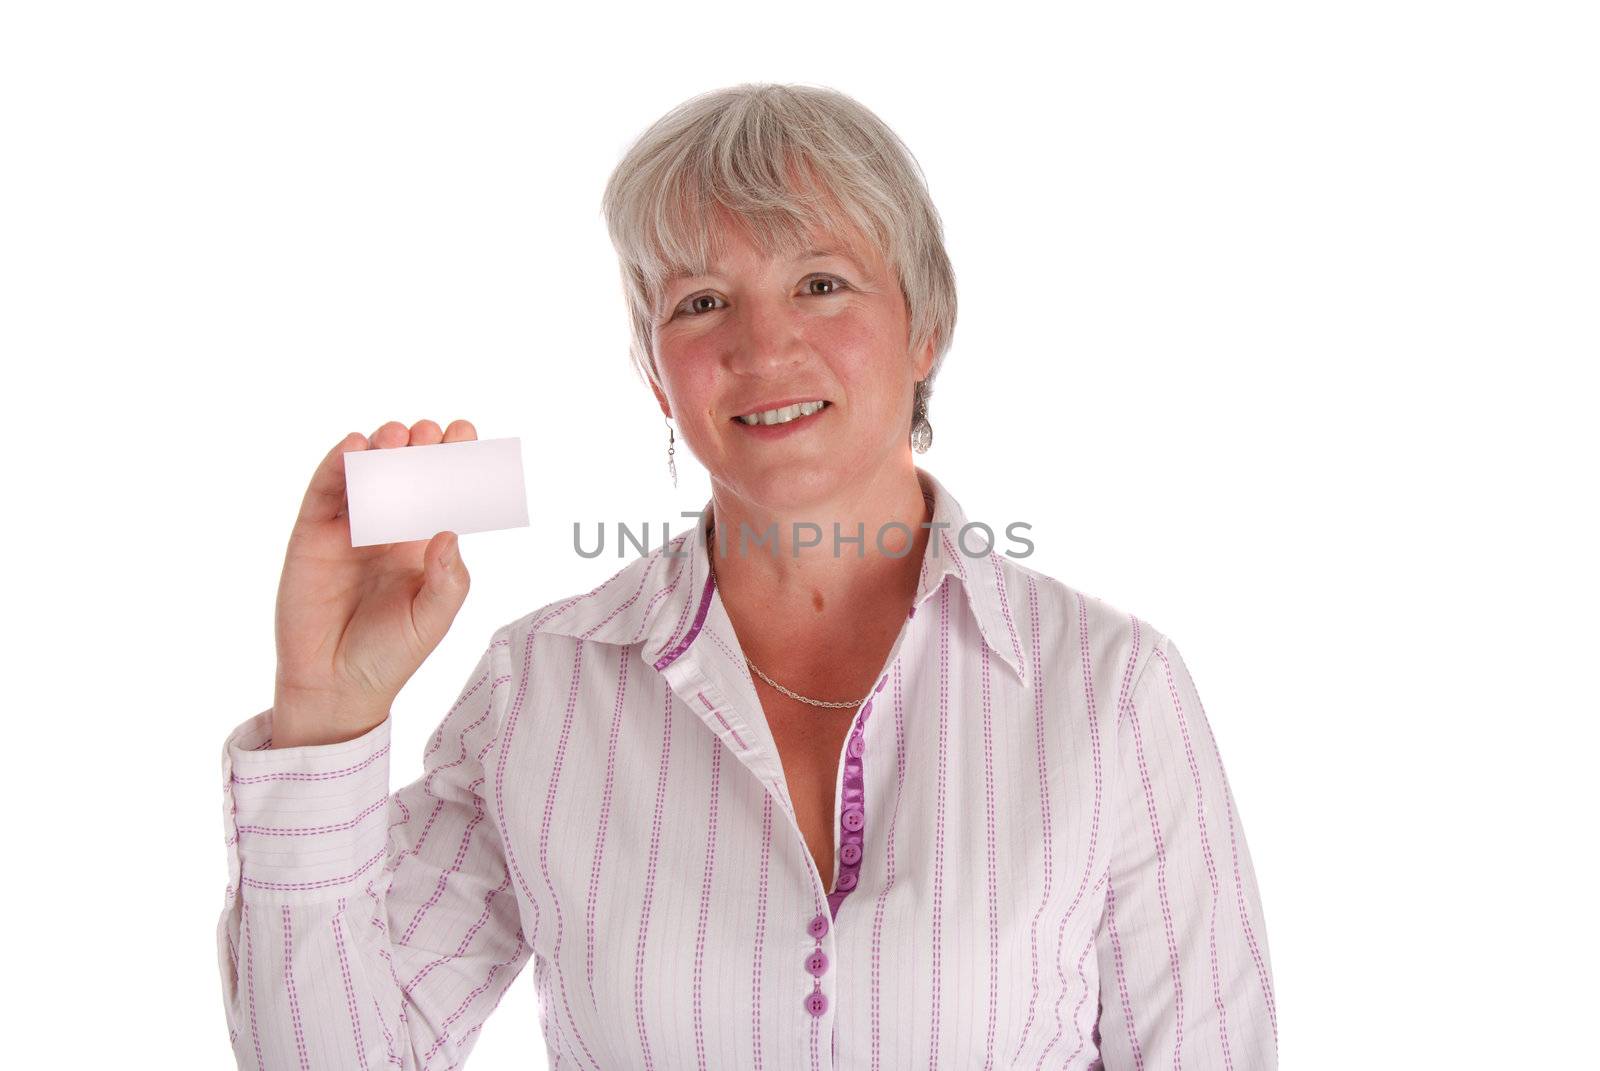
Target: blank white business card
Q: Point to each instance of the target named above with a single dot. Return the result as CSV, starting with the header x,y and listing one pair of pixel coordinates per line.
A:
x,y
415,492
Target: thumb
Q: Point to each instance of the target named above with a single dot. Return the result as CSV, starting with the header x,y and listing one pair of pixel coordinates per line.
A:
x,y
444,586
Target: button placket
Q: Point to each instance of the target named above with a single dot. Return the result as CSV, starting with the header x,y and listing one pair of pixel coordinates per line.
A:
x,y
816,965
853,820
853,812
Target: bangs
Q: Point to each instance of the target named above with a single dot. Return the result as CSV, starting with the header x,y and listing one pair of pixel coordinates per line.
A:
x,y
685,226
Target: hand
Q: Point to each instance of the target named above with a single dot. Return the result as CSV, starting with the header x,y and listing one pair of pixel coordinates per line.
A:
x,y
354,623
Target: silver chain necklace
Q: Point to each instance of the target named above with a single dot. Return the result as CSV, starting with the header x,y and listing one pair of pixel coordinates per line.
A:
x,y
797,695
788,692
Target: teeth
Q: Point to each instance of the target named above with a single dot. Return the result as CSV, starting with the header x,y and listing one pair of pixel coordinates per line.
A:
x,y
784,415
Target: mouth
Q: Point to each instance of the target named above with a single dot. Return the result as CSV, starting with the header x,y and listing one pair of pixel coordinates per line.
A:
x,y
782,414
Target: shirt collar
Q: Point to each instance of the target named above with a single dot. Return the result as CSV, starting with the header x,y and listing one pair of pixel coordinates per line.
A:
x,y
660,600
983,577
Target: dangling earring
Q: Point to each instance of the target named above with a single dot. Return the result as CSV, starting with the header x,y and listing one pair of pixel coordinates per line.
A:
x,y
672,465
921,427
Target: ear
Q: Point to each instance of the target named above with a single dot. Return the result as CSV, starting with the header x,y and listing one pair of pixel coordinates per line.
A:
x,y
924,359
661,400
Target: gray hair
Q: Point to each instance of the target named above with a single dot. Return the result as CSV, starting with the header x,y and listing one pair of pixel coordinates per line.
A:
x,y
781,159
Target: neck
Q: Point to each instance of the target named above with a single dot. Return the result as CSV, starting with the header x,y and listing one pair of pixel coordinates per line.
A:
x,y
773,591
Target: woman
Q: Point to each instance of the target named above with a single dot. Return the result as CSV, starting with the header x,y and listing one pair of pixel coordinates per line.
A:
x,y
852,797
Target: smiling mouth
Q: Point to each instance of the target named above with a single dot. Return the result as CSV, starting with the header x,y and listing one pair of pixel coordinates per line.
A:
x,y
783,415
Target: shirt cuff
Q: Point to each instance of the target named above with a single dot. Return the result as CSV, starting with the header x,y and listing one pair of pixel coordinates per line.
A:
x,y
303,820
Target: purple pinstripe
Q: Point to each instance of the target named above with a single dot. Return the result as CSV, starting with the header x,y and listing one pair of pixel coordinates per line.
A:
x,y
705,904
1037,692
1211,863
939,807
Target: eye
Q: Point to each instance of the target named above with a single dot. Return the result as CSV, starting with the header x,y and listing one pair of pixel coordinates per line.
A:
x,y
692,305
833,281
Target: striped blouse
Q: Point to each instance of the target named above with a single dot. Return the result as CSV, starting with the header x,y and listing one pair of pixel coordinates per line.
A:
x,y
1038,861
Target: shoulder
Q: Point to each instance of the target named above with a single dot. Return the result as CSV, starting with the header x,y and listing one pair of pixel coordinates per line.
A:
x,y
1101,635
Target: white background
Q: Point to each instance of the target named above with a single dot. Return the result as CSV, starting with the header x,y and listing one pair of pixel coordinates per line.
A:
x,y
1278,322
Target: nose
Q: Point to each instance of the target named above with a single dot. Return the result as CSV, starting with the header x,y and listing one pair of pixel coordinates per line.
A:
x,y
769,340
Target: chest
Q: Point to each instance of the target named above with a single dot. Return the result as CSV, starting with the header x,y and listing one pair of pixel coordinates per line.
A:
x,y
672,898
809,742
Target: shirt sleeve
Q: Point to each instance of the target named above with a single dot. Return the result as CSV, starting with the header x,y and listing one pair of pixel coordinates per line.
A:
x,y
1182,945
361,929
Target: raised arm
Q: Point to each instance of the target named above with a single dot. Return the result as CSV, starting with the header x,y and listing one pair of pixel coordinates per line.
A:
x,y
359,929
1184,974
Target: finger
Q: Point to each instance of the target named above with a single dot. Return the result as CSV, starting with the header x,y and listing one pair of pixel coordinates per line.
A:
x,y
460,431
442,558
324,497
425,433
443,590
390,435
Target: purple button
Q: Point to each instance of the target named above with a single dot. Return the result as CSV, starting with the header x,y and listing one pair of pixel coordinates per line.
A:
x,y
857,746
847,880
850,854
817,963
866,708
885,680
854,818
817,1002
819,926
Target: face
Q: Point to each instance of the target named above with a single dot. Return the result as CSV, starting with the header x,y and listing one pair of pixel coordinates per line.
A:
x,y
759,334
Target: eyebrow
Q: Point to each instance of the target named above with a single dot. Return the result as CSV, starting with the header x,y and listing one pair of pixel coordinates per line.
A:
x,y
840,253
809,254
